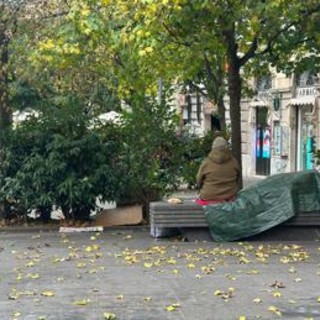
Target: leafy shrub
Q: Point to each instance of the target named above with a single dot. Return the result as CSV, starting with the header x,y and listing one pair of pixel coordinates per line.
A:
x,y
65,158
151,154
195,150
58,159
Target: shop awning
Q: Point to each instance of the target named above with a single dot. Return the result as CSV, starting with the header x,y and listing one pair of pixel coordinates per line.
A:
x,y
300,101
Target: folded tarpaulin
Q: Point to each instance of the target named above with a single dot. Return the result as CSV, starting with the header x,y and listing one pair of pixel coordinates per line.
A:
x,y
264,205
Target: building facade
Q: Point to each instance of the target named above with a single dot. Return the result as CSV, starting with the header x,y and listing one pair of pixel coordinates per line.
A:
x,y
280,124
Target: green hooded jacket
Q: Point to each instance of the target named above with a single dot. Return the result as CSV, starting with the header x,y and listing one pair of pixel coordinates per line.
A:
x,y
218,175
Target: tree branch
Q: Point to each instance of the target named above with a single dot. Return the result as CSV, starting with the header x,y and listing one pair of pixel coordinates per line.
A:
x,y
276,35
197,88
251,52
177,40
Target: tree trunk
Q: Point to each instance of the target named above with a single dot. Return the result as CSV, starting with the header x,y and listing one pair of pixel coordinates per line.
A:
x,y
234,88
214,80
222,113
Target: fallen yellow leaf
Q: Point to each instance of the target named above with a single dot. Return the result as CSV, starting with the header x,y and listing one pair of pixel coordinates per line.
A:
x,y
93,271
173,307
277,294
16,314
277,284
253,271
292,270
147,299
242,318
81,264
109,316
19,277
170,308
231,277
30,264
257,300
244,260
33,275
48,294
82,302
171,261
207,270
14,296
274,310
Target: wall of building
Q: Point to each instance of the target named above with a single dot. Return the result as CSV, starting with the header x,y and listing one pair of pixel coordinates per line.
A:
x,y
283,123
285,132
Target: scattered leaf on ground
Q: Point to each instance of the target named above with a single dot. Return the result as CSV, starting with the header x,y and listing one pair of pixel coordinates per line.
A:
x,y
148,299
48,293
82,302
257,300
109,316
274,310
277,284
277,294
173,307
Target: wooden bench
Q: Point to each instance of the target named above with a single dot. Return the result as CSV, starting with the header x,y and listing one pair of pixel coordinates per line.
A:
x,y
188,214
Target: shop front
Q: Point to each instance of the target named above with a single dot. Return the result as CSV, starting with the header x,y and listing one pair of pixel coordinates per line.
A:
x,y
306,129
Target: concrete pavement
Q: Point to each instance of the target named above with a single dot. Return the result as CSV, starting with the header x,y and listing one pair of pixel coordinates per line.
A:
x,y
84,276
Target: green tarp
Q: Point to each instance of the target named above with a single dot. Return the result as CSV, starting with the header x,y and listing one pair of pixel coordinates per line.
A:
x,y
264,205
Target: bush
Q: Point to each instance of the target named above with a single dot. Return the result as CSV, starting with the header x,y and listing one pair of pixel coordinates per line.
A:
x,y
64,158
151,156
58,159
195,150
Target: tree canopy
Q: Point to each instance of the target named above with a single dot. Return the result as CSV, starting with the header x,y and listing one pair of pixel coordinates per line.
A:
x,y
114,48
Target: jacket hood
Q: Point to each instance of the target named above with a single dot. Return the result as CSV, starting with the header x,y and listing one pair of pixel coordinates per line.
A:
x,y
220,155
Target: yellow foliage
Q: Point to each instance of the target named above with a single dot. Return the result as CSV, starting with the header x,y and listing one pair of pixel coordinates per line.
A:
x,y
46,45
85,12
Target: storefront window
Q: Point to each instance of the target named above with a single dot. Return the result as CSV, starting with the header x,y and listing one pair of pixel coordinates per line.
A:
x,y
305,138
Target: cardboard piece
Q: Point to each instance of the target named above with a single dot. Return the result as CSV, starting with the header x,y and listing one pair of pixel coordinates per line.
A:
x,y
81,229
121,216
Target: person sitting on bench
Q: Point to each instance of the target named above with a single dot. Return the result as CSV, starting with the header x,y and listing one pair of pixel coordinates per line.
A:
x,y
218,175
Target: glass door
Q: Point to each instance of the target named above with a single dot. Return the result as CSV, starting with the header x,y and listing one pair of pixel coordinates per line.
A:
x,y
263,142
304,138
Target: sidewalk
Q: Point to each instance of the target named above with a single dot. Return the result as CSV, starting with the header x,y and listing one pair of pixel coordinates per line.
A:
x,y
125,272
